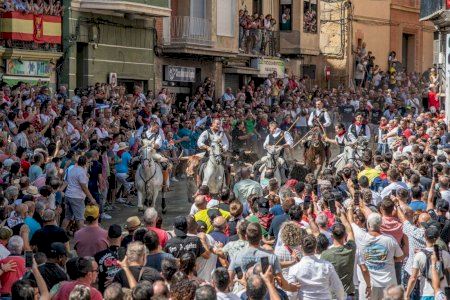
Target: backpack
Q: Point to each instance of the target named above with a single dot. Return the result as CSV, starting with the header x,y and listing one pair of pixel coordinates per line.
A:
x,y
426,271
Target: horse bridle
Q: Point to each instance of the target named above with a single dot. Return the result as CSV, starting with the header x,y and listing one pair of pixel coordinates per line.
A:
x,y
140,173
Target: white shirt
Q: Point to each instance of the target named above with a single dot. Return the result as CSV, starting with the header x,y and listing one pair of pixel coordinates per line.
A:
x,y
205,266
287,138
419,263
156,139
379,253
393,186
203,139
316,113
226,296
317,279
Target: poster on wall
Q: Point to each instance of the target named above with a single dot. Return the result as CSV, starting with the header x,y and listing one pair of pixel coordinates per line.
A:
x,y
310,16
28,68
112,80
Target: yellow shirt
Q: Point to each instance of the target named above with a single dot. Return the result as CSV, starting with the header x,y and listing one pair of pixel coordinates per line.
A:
x,y
370,173
203,216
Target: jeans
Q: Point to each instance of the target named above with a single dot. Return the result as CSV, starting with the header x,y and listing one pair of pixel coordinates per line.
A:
x,y
383,148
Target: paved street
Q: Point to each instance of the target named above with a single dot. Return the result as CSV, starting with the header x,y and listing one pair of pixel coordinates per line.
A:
x,y
176,201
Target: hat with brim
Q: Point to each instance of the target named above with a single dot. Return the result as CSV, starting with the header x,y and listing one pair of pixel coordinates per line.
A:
x,y
122,146
132,223
31,190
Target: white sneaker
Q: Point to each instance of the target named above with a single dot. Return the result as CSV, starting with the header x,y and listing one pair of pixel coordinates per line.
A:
x,y
174,179
121,200
105,216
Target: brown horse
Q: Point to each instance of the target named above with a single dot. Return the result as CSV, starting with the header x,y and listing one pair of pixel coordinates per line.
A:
x,y
315,155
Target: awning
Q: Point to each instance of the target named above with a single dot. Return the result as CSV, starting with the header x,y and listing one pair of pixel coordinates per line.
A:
x,y
241,70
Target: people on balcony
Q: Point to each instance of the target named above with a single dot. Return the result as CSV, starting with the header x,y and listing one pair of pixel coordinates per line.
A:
x,y
256,34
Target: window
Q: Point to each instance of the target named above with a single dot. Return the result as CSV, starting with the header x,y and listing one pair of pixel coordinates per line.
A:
x,y
285,15
310,16
226,12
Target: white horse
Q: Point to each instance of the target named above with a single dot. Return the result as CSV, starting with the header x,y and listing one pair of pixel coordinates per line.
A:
x,y
272,161
148,178
352,154
214,171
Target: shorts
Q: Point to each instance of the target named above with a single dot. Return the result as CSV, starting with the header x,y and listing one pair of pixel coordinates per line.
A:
x,y
74,209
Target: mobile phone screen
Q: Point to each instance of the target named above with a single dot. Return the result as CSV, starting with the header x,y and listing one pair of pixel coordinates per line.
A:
x,y
238,271
28,259
264,263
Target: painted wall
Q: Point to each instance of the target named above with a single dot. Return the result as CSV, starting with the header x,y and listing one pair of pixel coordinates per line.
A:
x,y
121,46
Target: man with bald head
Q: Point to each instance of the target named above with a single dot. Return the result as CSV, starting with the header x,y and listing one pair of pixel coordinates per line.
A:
x,y
218,233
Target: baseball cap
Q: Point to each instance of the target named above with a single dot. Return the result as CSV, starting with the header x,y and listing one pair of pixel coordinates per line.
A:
x,y
91,212
57,249
114,231
180,226
442,205
263,205
48,215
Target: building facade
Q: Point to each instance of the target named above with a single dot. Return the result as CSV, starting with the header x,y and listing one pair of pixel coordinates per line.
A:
x,y
30,48
218,39
111,41
382,26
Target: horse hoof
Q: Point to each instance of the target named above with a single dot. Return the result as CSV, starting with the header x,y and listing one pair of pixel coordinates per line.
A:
x,y
164,211
140,209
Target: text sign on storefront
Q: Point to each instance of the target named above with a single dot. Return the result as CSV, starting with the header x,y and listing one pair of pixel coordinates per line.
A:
x,y
268,66
179,74
28,68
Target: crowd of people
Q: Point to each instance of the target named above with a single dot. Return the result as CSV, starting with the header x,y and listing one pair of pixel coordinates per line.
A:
x,y
378,229
38,7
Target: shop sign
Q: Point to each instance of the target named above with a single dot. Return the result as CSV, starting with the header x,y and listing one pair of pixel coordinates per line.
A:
x,y
179,74
28,68
267,66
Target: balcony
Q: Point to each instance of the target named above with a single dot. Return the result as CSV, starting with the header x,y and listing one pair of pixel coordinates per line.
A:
x,y
152,8
190,31
430,8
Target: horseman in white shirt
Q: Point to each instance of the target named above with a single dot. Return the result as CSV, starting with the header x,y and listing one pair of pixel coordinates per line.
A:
x,y
209,136
359,128
320,117
280,138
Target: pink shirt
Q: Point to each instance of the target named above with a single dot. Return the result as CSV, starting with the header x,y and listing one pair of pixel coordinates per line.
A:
x,y
90,239
393,227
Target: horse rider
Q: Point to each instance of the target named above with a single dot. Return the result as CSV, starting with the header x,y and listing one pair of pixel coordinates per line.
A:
x,y
210,136
155,137
280,138
359,128
341,139
320,117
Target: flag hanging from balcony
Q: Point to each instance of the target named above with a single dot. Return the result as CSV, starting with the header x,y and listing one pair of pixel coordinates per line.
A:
x,y
29,27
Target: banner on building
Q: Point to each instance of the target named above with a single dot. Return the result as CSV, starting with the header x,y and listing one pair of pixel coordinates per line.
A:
x,y
268,66
28,68
179,74
30,27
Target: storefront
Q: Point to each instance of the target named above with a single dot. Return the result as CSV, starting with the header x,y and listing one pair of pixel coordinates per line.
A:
x,y
266,66
181,81
29,71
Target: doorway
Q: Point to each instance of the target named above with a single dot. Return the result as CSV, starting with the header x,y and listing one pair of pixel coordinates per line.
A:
x,y
257,7
82,68
408,51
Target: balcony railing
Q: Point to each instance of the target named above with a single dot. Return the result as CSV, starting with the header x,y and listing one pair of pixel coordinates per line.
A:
x,y
190,30
259,42
430,7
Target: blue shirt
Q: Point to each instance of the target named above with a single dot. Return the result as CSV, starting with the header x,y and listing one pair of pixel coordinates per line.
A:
x,y
122,167
33,225
416,205
34,172
193,137
276,210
